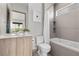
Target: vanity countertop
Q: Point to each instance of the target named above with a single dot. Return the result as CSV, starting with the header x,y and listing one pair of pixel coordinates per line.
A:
x,y
5,36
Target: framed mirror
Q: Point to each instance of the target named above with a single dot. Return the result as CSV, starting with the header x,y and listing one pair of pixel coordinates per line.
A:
x,y
16,21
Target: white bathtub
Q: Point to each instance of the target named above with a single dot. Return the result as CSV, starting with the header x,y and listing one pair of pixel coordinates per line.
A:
x,y
63,47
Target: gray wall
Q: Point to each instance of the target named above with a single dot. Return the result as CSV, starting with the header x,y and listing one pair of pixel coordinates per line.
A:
x,y
35,27
3,18
67,24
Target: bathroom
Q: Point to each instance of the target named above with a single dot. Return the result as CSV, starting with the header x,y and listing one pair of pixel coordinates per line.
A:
x,y
46,26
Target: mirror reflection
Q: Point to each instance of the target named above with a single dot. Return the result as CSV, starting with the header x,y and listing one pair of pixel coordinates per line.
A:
x,y
17,21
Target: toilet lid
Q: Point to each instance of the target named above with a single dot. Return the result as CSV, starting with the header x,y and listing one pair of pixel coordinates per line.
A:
x,y
44,45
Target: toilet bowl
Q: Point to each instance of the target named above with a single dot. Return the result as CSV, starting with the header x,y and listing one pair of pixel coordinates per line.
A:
x,y
43,48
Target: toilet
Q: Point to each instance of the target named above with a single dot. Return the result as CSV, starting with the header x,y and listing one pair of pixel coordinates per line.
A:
x,y
43,48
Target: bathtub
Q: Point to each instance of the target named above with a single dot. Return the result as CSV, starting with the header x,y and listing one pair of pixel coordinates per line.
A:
x,y
63,47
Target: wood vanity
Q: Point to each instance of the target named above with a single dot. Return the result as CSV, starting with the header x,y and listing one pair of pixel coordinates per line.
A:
x,y
16,46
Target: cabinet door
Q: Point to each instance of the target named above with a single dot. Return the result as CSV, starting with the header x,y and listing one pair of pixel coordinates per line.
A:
x,y
27,46
7,47
19,46
3,48
12,47
24,46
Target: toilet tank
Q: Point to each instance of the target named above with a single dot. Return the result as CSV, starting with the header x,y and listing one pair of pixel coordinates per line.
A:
x,y
39,39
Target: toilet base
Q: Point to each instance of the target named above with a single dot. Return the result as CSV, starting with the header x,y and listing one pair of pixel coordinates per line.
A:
x,y
42,53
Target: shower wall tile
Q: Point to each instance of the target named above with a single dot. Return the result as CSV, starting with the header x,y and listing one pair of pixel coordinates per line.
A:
x,y
67,25
67,20
68,33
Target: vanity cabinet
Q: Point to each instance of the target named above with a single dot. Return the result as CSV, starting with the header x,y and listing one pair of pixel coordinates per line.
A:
x,y
24,46
19,46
